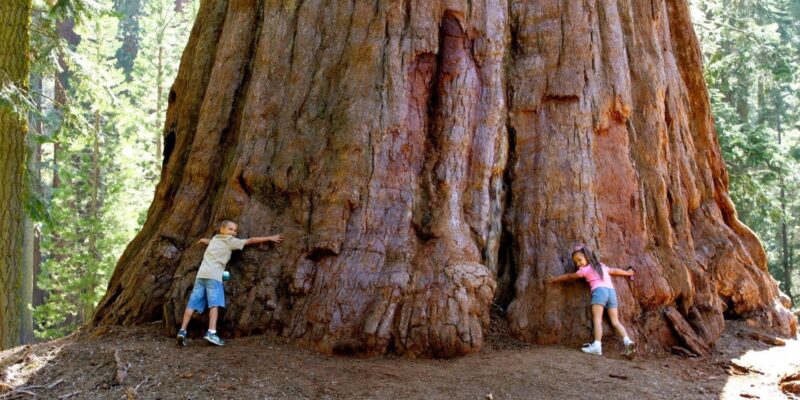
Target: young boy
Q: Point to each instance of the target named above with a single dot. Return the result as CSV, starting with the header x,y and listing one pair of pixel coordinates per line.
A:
x,y
208,289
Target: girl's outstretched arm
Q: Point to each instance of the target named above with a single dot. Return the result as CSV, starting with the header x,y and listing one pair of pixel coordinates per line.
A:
x,y
620,272
561,278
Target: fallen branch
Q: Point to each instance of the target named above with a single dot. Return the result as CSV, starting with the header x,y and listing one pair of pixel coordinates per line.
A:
x,y
761,338
16,393
733,368
50,386
141,383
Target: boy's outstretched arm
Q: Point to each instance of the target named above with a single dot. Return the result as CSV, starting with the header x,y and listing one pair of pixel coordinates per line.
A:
x,y
264,239
561,278
204,241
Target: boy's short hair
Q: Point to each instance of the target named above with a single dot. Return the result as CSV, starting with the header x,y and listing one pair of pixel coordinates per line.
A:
x,y
225,222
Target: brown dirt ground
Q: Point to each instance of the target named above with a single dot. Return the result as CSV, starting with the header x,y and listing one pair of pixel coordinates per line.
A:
x,y
82,366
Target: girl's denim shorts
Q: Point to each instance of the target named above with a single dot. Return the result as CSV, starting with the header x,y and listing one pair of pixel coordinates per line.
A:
x,y
604,296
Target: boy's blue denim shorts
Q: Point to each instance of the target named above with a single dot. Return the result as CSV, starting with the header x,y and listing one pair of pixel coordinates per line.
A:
x,y
604,296
206,293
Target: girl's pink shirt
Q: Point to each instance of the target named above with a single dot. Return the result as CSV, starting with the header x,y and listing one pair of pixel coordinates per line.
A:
x,y
594,280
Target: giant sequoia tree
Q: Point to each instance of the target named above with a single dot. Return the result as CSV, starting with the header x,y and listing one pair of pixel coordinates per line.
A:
x,y
426,159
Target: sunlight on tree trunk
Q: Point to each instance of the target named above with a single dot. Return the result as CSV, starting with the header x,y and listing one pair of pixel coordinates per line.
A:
x,y
15,18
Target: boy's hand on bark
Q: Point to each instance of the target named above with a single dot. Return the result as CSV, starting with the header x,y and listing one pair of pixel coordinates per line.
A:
x,y
549,279
277,238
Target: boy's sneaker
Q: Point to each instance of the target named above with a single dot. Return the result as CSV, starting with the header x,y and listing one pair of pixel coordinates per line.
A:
x,y
630,351
593,349
214,339
182,338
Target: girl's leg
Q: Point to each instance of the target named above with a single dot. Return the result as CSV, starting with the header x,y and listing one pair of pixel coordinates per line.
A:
x,y
597,321
613,315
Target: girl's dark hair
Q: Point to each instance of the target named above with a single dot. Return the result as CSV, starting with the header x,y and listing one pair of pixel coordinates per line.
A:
x,y
591,258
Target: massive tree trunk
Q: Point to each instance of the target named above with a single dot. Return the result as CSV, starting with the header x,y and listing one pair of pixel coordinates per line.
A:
x,y
15,20
428,158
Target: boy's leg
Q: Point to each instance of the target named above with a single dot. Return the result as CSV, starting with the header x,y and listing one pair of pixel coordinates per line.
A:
x,y
213,313
187,316
216,299
197,301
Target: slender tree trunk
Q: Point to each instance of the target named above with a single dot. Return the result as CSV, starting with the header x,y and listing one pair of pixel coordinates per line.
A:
x,y
407,148
61,83
159,102
36,177
785,249
94,215
792,297
783,235
30,246
15,19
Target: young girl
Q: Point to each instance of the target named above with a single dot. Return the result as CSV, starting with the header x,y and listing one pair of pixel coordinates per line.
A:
x,y
603,295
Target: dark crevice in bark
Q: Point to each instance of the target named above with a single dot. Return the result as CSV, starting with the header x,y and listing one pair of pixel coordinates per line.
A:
x,y
243,184
560,98
507,258
169,146
423,73
318,253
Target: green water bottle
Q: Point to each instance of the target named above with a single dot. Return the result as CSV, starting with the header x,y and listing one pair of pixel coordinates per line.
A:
x,y
226,276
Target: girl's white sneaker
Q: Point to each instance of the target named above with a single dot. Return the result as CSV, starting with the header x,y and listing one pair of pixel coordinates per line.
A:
x,y
593,348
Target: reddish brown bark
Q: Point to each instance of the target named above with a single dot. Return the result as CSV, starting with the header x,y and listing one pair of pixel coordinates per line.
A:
x,y
427,158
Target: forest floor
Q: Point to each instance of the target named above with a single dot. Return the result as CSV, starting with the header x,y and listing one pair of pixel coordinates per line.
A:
x,y
84,365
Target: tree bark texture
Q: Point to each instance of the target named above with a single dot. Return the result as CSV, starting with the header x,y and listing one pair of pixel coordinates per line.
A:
x,y
426,159
15,20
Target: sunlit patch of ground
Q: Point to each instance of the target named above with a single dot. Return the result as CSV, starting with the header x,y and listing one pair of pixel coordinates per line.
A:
x,y
20,364
760,370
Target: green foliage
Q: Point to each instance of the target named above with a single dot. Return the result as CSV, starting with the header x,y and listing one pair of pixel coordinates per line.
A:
x,y
751,54
98,162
